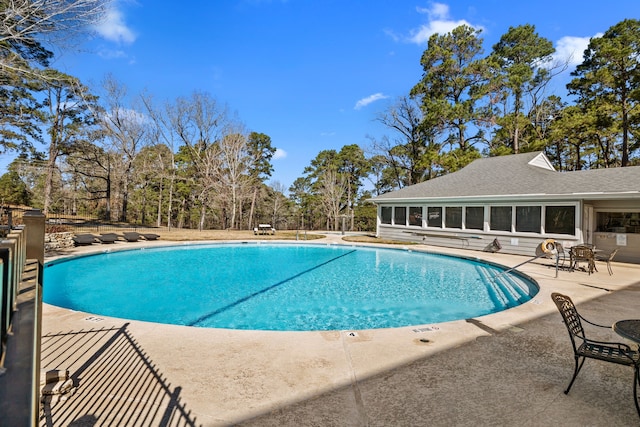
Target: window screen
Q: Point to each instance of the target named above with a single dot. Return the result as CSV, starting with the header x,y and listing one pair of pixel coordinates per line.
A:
x,y
415,215
453,217
400,215
474,218
385,214
500,218
560,220
434,217
528,219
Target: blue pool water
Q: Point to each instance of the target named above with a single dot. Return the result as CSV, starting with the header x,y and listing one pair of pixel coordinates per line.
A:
x,y
282,286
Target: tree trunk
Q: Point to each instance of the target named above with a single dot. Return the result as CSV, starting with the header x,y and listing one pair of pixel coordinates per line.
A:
x,y
48,185
171,182
159,218
143,216
203,210
108,193
252,209
181,214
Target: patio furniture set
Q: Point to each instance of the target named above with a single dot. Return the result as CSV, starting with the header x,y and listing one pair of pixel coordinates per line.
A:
x,y
587,254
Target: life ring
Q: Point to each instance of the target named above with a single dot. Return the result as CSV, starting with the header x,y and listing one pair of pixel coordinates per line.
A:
x,y
548,246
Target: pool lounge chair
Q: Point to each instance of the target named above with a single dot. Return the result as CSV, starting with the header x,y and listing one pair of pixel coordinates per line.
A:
x,y
84,239
134,236
108,238
131,236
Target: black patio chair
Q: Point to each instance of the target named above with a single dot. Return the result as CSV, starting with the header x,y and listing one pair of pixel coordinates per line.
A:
x,y
585,348
607,258
561,255
583,253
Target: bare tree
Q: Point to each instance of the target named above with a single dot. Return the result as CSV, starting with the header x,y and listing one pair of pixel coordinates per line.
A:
x,y
279,201
26,24
233,171
200,123
162,132
332,190
125,130
411,152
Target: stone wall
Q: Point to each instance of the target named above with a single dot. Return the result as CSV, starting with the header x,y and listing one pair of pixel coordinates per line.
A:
x,y
57,241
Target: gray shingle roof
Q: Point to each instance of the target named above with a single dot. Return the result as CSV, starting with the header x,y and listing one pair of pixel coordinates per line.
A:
x,y
519,176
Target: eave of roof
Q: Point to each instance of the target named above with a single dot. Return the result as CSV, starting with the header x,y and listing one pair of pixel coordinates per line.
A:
x,y
528,176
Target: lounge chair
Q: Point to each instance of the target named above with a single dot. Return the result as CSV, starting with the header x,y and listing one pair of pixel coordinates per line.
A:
x,y
84,239
150,236
108,238
585,348
131,236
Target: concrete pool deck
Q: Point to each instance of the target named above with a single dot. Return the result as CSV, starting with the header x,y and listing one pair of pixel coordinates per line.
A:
x,y
505,369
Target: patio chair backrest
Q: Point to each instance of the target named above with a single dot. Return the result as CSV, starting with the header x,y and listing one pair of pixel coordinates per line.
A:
x,y
570,316
582,252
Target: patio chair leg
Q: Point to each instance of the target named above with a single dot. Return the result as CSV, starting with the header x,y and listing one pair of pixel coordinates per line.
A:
x,y
575,373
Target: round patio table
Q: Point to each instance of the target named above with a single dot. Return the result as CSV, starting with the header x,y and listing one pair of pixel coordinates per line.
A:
x,y
629,329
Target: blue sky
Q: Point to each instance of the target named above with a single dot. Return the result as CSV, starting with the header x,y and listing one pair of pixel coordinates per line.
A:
x,y
311,74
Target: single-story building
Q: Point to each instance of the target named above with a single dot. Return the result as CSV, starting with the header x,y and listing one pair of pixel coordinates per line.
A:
x,y
520,200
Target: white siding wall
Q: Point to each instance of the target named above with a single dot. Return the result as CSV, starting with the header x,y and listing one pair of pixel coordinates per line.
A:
x,y
516,245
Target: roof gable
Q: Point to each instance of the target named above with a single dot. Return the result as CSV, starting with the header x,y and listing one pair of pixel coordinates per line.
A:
x,y
542,161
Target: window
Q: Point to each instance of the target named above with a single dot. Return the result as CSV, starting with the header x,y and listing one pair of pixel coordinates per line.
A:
x,y
560,220
415,215
528,219
474,218
400,215
434,217
385,214
618,222
500,218
453,217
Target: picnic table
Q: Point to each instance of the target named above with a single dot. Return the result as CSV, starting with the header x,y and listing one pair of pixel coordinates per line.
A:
x,y
264,229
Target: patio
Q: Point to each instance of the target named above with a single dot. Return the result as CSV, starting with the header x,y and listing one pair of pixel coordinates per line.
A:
x,y
505,369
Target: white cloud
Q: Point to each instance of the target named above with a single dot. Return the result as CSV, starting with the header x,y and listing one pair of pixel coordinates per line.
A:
x,y
437,11
570,49
369,99
112,54
127,115
439,22
279,154
114,28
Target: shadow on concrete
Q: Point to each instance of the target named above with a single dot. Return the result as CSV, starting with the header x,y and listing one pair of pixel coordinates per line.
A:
x,y
115,382
511,378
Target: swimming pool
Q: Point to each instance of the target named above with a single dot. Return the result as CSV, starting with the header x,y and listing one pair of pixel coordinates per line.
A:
x,y
290,287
